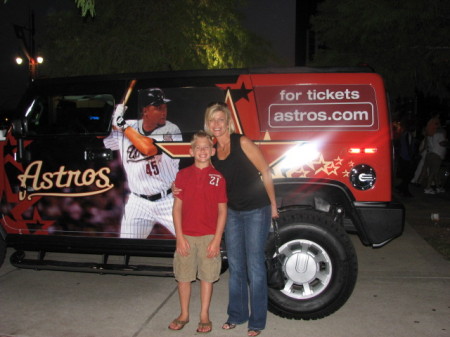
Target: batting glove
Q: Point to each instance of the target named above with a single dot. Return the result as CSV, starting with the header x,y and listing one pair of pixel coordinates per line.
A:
x,y
117,120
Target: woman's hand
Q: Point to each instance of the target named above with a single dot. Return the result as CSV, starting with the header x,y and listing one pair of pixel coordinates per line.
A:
x,y
275,214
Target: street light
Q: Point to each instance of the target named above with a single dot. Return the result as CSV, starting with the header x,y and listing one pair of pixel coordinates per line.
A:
x,y
28,48
39,60
33,63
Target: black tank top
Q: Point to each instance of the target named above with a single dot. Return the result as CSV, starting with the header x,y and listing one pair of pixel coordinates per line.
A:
x,y
245,188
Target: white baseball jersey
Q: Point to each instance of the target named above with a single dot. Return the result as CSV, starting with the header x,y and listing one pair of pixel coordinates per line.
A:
x,y
146,175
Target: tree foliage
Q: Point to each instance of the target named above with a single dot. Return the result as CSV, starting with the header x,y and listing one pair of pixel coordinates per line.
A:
x,y
408,42
86,6
149,35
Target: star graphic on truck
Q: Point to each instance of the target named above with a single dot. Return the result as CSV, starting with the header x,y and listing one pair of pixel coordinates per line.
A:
x,y
270,148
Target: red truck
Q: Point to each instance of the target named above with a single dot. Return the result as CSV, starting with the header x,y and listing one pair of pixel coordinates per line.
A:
x,y
325,132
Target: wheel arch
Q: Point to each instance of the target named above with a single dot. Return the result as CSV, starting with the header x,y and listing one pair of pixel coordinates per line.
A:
x,y
323,195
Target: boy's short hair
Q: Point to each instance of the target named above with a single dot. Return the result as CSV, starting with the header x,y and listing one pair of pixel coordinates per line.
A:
x,y
201,134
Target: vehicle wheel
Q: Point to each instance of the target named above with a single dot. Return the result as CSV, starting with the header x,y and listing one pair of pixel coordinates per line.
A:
x,y
319,263
2,250
17,257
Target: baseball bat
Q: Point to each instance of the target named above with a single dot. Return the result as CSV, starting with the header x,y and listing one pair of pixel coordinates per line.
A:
x,y
129,91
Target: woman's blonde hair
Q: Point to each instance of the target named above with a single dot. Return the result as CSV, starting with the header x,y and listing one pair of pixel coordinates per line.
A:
x,y
216,107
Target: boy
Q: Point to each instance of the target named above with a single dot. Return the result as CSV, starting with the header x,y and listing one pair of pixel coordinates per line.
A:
x,y
199,215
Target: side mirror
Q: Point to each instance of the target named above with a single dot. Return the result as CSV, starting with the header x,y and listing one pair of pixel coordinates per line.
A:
x,y
19,128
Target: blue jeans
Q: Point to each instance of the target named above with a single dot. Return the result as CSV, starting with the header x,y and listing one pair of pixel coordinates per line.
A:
x,y
245,237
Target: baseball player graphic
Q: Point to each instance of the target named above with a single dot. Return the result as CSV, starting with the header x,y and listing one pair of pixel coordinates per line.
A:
x,y
150,173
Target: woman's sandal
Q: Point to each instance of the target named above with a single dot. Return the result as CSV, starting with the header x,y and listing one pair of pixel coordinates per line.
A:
x,y
179,323
253,332
228,326
202,326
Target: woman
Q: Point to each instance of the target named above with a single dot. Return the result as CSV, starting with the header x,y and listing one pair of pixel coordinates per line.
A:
x,y
251,205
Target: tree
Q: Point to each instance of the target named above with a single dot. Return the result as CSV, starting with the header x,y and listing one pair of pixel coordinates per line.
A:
x,y
86,6
149,35
408,42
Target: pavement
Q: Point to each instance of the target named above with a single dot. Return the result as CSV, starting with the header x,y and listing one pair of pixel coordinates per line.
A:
x,y
421,206
403,289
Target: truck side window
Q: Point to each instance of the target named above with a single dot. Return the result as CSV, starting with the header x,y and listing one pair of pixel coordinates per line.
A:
x,y
70,115
36,115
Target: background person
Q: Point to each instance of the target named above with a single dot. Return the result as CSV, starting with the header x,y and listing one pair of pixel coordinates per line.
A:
x,y
429,130
407,156
437,149
199,214
251,205
150,173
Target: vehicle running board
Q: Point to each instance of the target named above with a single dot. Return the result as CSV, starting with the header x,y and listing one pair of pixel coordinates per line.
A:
x,y
19,260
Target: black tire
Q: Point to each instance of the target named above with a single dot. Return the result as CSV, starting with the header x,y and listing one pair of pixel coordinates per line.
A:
x,y
319,262
2,250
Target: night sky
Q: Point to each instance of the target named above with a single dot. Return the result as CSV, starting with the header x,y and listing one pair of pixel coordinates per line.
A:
x,y
273,20
14,78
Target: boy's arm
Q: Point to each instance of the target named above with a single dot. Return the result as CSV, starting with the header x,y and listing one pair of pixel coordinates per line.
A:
x,y
182,244
214,245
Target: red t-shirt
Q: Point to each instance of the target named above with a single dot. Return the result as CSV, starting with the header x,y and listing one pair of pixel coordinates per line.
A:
x,y
202,191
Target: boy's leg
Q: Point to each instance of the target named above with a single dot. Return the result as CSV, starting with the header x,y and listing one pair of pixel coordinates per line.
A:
x,y
206,289
205,297
184,294
185,270
208,273
184,291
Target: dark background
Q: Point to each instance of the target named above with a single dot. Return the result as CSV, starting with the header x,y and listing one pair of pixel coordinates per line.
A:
x,y
272,20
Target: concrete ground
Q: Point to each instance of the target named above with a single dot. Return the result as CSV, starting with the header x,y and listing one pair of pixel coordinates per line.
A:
x,y
421,208
403,289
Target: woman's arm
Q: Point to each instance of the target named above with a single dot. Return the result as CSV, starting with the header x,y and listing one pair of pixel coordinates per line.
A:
x,y
255,155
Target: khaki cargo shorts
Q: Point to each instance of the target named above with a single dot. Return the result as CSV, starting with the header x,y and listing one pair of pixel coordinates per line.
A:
x,y
197,264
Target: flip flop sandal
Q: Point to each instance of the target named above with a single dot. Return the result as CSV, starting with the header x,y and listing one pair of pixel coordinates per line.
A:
x,y
253,332
202,326
178,322
228,326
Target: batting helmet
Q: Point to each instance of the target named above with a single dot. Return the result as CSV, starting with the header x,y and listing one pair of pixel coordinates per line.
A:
x,y
152,96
